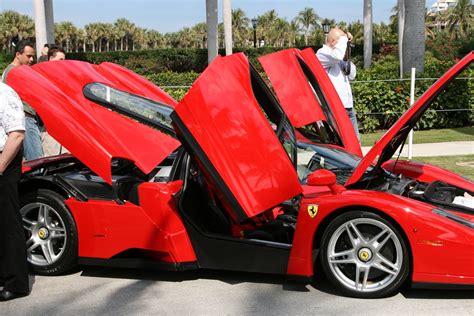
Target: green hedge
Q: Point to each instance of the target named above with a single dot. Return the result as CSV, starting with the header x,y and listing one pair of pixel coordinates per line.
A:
x,y
391,99
5,59
174,83
167,59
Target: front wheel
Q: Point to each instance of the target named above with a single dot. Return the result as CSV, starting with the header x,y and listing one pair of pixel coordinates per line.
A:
x,y
50,231
364,255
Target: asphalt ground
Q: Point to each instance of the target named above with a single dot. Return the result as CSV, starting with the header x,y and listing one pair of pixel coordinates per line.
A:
x,y
112,291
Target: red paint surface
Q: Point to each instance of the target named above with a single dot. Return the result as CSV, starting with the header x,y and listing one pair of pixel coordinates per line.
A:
x,y
89,131
106,228
222,114
427,173
454,258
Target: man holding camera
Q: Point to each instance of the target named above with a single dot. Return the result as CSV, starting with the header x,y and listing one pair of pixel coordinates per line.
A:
x,y
334,56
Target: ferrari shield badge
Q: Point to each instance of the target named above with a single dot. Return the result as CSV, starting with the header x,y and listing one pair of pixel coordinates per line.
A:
x,y
312,210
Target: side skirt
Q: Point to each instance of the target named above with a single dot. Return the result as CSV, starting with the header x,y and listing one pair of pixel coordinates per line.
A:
x,y
442,286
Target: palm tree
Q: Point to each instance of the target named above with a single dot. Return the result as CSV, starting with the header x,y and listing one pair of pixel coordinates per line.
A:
x,y
124,29
367,33
26,27
460,18
429,24
154,39
293,30
266,26
13,25
341,24
139,38
240,27
279,38
394,19
94,33
308,19
65,33
198,32
383,34
357,30
81,40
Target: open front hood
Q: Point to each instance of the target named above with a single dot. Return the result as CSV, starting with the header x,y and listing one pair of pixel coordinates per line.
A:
x,y
93,133
293,74
221,123
397,134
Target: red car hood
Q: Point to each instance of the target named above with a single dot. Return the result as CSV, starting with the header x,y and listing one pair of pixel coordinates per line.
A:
x,y
293,74
221,122
91,132
397,134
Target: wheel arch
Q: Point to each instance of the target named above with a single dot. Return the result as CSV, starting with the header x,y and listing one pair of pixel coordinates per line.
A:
x,y
34,184
330,217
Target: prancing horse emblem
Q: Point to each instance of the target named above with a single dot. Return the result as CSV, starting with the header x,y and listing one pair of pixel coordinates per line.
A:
x,y
312,210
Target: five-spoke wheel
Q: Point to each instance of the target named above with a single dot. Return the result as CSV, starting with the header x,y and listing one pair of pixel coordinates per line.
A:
x,y
364,255
50,232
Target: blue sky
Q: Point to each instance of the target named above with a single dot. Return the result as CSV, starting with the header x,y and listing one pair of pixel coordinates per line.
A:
x,y
169,16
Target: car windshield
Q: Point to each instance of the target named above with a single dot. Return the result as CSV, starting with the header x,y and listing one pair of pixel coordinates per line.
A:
x,y
312,157
136,107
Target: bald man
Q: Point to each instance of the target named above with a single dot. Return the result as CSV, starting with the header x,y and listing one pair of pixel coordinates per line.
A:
x,y
332,56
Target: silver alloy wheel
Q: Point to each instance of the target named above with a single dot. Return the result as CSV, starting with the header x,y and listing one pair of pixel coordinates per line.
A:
x,y
46,232
362,265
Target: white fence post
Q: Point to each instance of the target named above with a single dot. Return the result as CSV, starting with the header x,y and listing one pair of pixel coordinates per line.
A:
x,y
412,100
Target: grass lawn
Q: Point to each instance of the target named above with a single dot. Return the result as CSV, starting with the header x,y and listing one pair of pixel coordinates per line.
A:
x,y
462,165
428,136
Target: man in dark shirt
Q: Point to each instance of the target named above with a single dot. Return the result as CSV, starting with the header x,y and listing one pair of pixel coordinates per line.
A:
x,y
32,147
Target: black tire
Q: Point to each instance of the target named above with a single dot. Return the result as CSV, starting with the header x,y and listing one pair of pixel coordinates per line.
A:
x,y
382,270
60,223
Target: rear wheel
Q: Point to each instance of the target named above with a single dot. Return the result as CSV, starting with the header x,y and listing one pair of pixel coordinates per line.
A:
x,y
364,255
50,232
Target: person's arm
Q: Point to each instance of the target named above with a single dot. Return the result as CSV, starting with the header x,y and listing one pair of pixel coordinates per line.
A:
x,y
13,123
330,57
12,146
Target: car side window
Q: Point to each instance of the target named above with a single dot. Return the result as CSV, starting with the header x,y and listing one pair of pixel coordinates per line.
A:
x,y
134,106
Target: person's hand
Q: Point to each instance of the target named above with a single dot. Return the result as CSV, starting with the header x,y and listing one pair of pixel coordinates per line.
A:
x,y
349,36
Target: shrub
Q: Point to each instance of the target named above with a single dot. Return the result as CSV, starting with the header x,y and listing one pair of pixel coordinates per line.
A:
x,y
167,59
379,104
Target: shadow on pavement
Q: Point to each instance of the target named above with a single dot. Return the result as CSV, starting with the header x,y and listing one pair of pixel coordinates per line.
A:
x,y
320,283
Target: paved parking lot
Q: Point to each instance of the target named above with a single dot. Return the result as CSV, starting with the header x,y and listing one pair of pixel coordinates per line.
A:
x,y
104,291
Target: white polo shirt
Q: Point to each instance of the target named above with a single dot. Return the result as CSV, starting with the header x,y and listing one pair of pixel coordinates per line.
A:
x,y
332,61
12,117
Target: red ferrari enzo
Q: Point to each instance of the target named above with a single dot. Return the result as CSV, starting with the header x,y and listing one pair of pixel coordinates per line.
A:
x,y
231,179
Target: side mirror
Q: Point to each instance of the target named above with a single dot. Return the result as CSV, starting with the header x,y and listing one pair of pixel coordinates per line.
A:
x,y
321,177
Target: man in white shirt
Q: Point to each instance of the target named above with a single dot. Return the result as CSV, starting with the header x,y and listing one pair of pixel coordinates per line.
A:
x,y
340,71
13,258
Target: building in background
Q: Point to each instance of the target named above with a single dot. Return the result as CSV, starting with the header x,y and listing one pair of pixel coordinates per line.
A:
x,y
442,5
